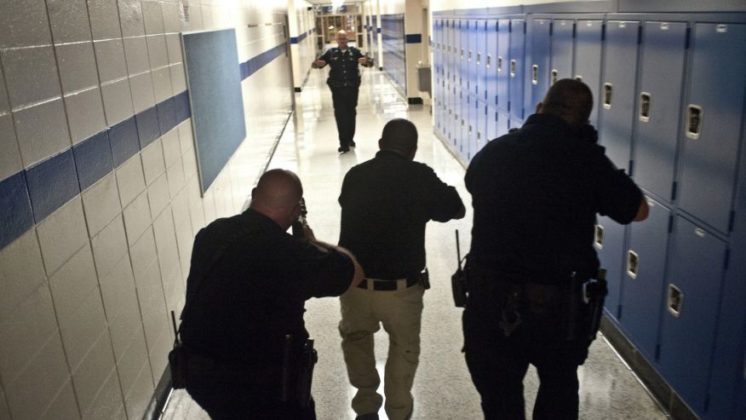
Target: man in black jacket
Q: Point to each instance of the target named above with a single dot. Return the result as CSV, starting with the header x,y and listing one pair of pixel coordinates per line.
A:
x,y
386,203
536,193
344,82
242,324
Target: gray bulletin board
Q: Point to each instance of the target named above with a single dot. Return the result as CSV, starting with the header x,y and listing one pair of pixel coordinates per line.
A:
x,y
214,83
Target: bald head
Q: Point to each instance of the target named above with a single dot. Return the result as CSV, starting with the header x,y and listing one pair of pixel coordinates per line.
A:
x,y
342,39
570,100
399,135
277,196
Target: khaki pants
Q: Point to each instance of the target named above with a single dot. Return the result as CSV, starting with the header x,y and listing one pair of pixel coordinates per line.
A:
x,y
400,312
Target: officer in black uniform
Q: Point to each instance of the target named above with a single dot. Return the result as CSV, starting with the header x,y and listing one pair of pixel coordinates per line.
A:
x,y
536,193
344,81
242,324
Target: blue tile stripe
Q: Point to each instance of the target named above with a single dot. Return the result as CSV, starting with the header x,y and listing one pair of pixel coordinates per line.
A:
x,y
298,39
29,196
414,38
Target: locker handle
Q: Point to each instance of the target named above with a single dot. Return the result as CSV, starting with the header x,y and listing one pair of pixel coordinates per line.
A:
x,y
579,78
535,74
513,66
598,236
479,58
489,60
555,74
469,56
607,95
499,64
633,264
694,121
675,300
645,106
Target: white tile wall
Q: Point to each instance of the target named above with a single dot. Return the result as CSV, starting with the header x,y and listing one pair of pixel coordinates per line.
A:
x,y
35,389
130,180
117,101
158,196
114,274
101,203
92,374
110,59
85,114
24,23
69,20
64,406
30,327
77,66
62,234
153,164
104,19
31,75
137,218
41,131
21,272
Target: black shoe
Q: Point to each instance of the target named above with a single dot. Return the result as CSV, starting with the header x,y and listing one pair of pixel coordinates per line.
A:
x,y
343,149
352,144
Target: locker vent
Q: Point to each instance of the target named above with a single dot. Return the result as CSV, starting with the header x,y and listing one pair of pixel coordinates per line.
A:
x,y
688,38
639,34
574,30
673,190
731,221
657,352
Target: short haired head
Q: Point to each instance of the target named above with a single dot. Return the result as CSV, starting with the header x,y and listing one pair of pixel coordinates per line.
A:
x,y
341,38
570,100
400,136
277,195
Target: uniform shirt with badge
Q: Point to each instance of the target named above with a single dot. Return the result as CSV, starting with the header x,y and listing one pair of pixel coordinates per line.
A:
x,y
344,66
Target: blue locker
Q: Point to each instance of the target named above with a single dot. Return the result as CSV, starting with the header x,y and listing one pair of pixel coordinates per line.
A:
x,y
515,70
618,92
502,65
712,122
644,270
451,79
588,47
481,59
658,102
503,123
692,294
490,63
538,57
609,243
465,103
562,50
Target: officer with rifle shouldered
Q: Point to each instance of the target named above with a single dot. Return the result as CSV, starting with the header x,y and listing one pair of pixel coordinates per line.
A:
x,y
245,352
534,293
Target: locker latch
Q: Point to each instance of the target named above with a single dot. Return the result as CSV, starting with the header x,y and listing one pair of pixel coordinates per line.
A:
x,y
535,74
479,58
513,66
675,300
489,60
644,106
469,56
694,121
555,74
499,64
599,237
633,263
607,95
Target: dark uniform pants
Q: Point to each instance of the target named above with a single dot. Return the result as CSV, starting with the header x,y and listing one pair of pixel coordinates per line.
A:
x,y
345,104
230,402
498,363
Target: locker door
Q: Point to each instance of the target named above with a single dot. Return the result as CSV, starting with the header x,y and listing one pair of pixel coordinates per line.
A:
x,y
562,47
463,137
481,59
588,46
644,270
618,92
435,46
692,293
481,126
515,70
712,121
502,66
490,77
658,103
451,78
537,73
609,243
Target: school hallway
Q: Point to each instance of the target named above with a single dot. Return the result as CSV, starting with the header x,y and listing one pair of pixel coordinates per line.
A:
x,y
442,388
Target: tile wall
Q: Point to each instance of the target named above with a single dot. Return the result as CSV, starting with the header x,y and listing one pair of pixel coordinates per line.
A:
x,y
99,191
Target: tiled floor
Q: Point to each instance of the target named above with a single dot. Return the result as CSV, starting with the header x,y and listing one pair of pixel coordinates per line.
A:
x,y
442,387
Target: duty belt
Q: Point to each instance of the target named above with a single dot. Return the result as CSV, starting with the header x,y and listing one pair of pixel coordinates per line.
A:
x,y
376,284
